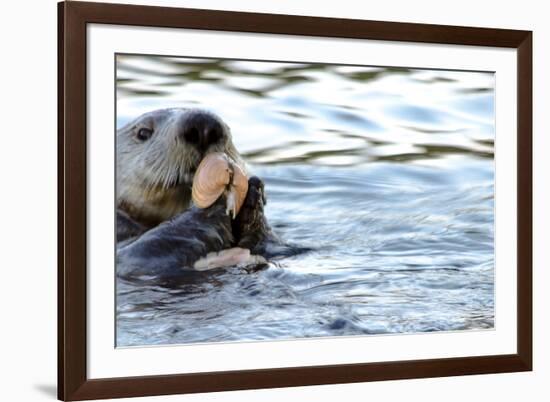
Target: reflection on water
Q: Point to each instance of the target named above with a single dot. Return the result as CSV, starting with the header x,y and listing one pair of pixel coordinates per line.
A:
x,y
387,173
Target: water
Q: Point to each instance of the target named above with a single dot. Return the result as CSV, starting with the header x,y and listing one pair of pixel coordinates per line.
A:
x,y
386,173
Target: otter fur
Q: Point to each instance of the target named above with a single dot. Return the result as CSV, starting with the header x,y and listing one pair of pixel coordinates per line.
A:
x,y
160,234
157,155
199,239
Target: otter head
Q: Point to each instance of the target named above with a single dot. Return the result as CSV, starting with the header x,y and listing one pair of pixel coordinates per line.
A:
x,y
157,156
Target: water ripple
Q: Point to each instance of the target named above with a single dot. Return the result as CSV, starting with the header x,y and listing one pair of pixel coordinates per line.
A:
x,y
385,173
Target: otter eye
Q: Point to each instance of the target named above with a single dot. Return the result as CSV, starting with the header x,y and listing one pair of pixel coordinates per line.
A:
x,y
144,134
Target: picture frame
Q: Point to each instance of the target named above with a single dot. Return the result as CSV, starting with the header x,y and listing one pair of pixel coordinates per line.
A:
x,y
73,20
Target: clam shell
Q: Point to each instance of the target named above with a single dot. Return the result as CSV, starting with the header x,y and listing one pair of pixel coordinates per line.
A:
x,y
239,187
218,173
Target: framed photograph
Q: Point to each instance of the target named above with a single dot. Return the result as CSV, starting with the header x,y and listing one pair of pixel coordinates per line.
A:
x,y
253,200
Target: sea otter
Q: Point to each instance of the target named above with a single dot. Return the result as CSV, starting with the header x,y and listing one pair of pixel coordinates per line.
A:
x,y
157,156
203,238
159,232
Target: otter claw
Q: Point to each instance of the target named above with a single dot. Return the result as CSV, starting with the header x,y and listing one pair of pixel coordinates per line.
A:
x,y
231,209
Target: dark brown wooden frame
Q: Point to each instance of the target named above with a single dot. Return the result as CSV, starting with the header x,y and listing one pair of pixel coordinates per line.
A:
x,y
73,17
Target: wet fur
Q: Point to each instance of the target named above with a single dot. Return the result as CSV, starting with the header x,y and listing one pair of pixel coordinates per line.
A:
x,y
154,177
159,233
173,247
252,229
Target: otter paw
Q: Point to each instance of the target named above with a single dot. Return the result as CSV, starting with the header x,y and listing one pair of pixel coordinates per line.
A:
x,y
226,258
252,210
256,192
251,227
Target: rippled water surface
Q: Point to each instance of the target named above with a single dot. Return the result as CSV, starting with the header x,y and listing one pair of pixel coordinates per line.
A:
x,y
386,173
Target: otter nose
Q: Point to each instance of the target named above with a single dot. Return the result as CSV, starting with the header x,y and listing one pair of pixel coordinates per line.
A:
x,y
201,130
